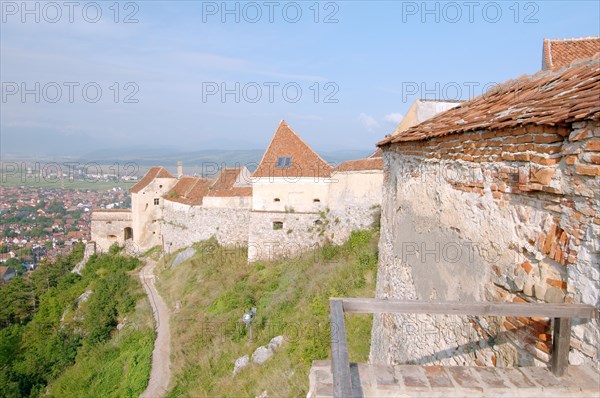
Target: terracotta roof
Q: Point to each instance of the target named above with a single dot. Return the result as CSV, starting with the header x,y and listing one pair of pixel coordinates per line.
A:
x,y
377,154
189,190
3,271
113,210
231,182
559,53
361,164
546,98
304,161
154,172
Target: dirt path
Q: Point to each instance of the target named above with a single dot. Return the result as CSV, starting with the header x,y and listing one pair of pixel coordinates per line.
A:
x,y
161,355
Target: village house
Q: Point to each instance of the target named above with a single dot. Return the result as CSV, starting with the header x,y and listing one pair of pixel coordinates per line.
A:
x,y
7,273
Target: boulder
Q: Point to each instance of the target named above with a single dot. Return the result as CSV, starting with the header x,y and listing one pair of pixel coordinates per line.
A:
x,y
240,363
275,343
261,355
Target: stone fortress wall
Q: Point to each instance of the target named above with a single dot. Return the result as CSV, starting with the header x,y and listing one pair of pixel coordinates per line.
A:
x,y
508,215
108,227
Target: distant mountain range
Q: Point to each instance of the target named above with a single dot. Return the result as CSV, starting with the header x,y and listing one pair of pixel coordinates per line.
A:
x,y
168,157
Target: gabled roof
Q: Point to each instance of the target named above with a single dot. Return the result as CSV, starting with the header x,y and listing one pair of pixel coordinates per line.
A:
x,y
304,161
377,154
154,172
231,182
424,109
558,53
189,190
546,98
361,164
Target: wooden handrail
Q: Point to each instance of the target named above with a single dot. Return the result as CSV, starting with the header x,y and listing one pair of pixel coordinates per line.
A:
x,y
561,335
376,306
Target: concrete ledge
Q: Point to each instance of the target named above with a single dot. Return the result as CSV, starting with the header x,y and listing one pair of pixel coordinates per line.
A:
x,y
381,381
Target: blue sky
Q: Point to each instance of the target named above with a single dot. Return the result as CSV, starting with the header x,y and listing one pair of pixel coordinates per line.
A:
x,y
367,65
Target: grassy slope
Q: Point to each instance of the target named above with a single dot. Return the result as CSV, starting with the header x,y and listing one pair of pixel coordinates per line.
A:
x,y
118,367
216,287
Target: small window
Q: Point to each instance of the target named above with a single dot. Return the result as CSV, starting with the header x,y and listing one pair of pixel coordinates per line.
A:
x,y
155,201
276,200
284,162
277,225
317,200
160,186
318,222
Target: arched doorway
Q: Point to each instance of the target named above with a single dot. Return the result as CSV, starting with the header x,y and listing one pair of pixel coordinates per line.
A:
x,y
128,233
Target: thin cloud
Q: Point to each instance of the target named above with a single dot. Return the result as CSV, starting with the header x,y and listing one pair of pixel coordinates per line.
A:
x,y
393,117
368,122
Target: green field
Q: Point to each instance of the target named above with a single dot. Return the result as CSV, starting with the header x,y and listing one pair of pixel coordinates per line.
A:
x,y
17,181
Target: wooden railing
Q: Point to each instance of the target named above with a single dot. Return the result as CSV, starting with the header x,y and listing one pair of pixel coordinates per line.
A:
x,y
561,313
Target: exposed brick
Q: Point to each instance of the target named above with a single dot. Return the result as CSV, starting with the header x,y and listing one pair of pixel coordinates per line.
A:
x,y
543,176
522,157
587,170
547,139
557,283
526,265
592,158
580,135
571,159
544,161
543,346
593,146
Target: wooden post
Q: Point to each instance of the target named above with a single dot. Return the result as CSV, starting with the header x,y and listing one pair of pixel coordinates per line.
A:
x,y
561,341
340,365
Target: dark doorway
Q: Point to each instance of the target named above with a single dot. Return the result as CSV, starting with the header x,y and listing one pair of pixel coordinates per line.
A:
x,y
128,233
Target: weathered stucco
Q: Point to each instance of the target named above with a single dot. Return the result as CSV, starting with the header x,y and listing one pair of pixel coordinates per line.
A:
x,y
146,215
500,216
108,227
347,201
181,225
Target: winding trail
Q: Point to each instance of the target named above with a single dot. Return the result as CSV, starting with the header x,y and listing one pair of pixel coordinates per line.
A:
x,y
161,355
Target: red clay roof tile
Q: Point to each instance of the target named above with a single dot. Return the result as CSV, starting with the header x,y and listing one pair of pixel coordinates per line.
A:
x,y
304,161
189,190
231,182
361,164
546,98
154,172
560,53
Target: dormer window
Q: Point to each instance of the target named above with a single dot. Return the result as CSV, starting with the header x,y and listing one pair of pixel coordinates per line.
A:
x,y
284,162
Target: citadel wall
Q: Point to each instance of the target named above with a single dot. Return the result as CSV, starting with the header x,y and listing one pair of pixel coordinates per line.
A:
x,y
146,208
108,227
510,215
183,225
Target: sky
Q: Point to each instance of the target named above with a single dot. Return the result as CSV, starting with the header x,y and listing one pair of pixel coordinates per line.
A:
x,y
196,75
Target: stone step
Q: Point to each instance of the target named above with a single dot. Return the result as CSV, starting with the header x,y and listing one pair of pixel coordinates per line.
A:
x,y
383,381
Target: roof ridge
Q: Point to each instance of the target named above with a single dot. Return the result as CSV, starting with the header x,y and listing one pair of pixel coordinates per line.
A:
x,y
286,142
529,99
281,123
575,38
304,142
